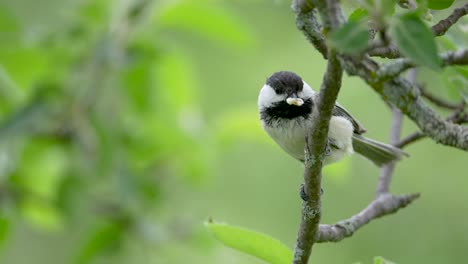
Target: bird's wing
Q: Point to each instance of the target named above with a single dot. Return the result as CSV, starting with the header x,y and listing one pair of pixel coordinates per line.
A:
x,y
338,110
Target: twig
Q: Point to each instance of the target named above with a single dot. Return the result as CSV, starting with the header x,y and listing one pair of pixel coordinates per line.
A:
x,y
457,117
383,205
390,70
307,23
459,57
439,101
413,137
443,25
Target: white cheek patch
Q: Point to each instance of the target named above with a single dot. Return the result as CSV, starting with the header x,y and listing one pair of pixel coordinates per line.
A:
x,y
268,96
307,92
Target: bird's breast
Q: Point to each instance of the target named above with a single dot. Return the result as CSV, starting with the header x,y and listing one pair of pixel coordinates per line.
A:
x,y
290,136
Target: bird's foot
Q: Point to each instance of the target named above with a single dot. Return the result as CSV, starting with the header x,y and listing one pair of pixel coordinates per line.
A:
x,y
304,196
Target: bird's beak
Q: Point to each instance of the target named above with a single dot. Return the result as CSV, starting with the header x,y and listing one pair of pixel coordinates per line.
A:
x,y
294,100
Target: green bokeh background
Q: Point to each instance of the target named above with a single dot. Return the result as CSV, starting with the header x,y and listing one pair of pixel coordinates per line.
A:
x,y
165,134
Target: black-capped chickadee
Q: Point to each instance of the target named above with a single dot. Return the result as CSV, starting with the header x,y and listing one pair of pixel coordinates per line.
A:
x,y
286,103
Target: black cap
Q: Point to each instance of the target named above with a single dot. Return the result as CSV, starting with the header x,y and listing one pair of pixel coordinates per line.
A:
x,y
285,82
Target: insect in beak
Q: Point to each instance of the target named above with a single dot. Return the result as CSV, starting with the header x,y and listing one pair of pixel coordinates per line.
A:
x,y
294,100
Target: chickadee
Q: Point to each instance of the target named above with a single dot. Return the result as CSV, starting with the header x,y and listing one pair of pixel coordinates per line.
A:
x,y
286,103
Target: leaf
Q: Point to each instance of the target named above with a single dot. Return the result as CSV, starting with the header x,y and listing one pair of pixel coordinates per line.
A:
x,y
104,237
446,43
177,83
41,214
4,228
416,40
352,37
439,4
379,9
207,19
358,14
381,260
43,166
251,242
455,82
14,60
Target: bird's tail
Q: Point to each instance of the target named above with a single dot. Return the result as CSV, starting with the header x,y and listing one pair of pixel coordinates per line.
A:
x,y
377,152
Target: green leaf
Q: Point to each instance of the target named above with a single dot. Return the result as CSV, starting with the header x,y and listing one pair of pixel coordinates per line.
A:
x,y
4,228
379,8
41,214
455,81
381,260
351,37
251,242
439,4
13,60
207,19
103,238
446,43
358,14
178,84
416,40
44,164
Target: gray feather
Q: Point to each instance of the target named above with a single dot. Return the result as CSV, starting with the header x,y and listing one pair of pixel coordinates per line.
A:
x,y
338,110
377,152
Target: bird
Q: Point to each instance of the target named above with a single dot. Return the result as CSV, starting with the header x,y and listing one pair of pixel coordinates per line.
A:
x,y
286,104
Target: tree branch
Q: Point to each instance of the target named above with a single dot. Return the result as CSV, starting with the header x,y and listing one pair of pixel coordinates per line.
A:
x,y
410,139
314,155
307,23
394,89
403,95
439,101
316,144
443,25
383,205
390,70
457,117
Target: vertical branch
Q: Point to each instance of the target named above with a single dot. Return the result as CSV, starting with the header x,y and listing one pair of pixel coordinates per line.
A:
x,y
314,155
316,141
383,185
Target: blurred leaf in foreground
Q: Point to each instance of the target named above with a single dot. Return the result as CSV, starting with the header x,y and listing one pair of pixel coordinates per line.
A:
x,y
4,228
352,37
416,40
439,4
251,242
104,237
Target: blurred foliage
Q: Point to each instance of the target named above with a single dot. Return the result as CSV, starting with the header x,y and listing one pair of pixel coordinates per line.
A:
x,y
97,112
124,124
